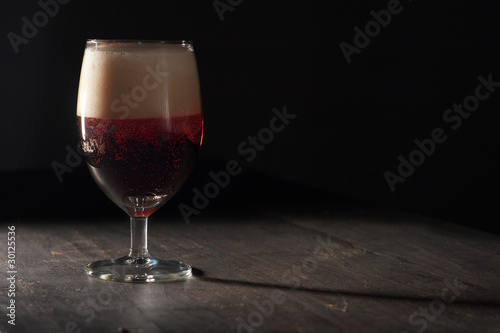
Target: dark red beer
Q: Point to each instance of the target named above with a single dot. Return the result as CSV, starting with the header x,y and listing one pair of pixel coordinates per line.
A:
x,y
141,163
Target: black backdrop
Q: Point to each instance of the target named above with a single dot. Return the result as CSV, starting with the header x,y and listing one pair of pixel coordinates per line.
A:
x,y
353,119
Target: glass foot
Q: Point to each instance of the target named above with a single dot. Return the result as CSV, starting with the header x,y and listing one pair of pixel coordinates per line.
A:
x,y
139,269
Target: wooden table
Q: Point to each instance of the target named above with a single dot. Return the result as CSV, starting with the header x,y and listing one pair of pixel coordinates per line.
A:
x,y
352,269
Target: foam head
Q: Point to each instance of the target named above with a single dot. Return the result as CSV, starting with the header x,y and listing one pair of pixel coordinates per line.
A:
x,y
138,80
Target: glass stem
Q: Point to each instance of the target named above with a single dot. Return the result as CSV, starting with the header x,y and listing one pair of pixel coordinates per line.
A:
x,y
139,237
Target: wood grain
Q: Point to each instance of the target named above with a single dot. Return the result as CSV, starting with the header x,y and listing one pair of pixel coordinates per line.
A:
x,y
262,274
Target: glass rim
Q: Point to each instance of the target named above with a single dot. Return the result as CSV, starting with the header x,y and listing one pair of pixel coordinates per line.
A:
x,y
139,41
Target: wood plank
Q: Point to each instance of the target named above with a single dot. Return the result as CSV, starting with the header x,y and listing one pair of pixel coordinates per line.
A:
x,y
379,269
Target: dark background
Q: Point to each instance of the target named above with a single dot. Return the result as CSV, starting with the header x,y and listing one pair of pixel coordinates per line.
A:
x,y
353,120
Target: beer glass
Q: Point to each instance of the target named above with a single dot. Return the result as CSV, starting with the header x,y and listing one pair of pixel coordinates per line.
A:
x,y
140,128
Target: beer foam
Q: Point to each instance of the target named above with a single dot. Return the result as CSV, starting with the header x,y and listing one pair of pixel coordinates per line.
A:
x,y
126,81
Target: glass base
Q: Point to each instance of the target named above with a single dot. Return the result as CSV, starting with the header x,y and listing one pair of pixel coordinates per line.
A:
x,y
139,269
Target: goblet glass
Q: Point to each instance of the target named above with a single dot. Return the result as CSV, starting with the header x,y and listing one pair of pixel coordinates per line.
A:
x,y
141,126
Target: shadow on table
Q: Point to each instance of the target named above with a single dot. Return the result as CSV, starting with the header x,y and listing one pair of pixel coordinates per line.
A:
x,y
493,301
